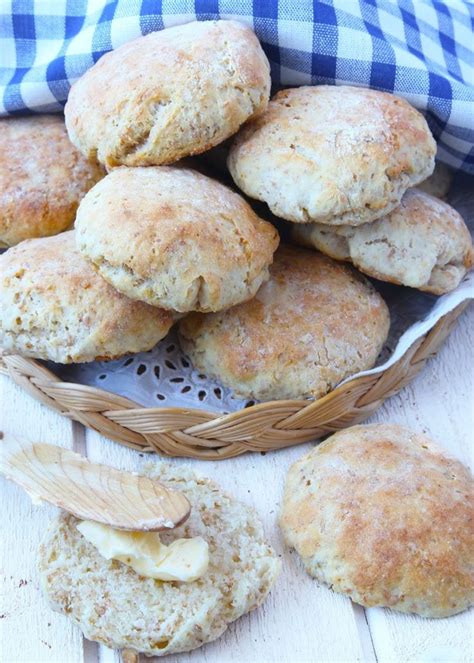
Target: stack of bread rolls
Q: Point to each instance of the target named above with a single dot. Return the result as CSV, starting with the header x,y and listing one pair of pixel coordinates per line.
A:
x,y
155,241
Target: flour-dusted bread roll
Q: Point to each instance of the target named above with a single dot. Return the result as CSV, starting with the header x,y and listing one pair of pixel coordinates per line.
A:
x,y
312,324
42,178
170,94
439,183
423,243
114,605
383,515
174,238
334,155
55,306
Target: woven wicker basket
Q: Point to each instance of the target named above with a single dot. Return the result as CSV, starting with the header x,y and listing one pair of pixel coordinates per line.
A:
x,y
200,434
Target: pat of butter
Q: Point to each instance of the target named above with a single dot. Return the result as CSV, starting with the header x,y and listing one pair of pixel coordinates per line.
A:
x,y
35,499
184,560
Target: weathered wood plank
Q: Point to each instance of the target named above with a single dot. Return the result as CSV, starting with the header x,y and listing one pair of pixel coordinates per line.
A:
x,y
29,629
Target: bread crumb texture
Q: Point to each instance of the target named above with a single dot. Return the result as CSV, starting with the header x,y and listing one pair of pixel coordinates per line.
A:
x,y
115,606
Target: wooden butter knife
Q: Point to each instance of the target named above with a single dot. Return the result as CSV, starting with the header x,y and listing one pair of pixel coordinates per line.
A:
x,y
89,491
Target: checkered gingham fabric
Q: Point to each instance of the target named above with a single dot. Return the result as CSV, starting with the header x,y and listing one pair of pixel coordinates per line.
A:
x,y
422,50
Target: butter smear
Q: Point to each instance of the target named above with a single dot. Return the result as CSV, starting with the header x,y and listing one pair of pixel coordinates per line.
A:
x,y
184,560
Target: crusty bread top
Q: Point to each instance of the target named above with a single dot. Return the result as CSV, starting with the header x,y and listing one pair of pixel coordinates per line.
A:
x,y
423,243
332,154
42,178
55,306
175,238
311,325
169,94
382,514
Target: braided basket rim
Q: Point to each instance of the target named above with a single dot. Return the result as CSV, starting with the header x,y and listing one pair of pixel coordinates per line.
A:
x,y
194,433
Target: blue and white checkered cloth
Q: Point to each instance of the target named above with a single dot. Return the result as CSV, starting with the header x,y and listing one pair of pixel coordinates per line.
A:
x,y
422,50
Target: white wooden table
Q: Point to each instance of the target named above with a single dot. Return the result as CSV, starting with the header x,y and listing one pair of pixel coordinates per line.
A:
x,y
300,621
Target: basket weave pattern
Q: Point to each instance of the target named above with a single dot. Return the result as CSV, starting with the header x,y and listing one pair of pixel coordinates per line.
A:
x,y
200,434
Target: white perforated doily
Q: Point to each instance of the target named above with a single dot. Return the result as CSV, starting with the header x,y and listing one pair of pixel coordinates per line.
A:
x,y
165,377
162,376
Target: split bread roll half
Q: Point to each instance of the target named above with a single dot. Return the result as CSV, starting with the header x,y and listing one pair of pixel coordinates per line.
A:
x,y
168,95
423,243
312,324
174,238
337,155
116,606
55,306
383,515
